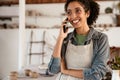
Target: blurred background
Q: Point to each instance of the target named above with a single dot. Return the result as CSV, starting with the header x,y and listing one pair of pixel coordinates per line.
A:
x,y
42,22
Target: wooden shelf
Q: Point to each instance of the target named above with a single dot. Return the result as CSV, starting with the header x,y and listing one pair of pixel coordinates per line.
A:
x,y
53,1
44,1
106,0
12,2
8,2
112,14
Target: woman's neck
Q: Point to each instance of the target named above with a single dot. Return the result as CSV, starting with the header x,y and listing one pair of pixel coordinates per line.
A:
x,y
82,30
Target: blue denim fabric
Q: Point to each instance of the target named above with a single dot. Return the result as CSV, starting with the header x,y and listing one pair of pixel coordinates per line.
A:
x,y
100,55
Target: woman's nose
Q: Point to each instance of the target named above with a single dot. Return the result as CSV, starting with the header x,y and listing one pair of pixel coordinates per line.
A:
x,y
73,16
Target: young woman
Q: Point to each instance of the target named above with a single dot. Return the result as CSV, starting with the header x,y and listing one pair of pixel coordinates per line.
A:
x,y
83,53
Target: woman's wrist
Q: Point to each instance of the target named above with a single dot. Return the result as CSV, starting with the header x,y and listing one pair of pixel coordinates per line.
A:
x,y
66,71
60,37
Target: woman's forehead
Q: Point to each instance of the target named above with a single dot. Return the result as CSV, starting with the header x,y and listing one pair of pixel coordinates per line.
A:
x,y
74,5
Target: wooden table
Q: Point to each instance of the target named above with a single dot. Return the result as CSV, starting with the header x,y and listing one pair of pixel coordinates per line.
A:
x,y
39,78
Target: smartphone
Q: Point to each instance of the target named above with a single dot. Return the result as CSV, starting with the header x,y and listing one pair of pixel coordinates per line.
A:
x,y
65,27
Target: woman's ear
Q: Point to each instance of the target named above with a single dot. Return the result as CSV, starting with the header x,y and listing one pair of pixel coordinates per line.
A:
x,y
88,13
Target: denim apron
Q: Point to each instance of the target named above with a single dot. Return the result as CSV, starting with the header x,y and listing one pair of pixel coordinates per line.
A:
x,y
77,57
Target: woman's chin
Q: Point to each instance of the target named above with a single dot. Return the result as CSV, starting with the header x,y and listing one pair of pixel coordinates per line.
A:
x,y
76,26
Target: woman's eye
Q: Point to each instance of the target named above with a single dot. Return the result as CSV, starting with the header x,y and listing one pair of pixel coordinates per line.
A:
x,y
78,11
68,12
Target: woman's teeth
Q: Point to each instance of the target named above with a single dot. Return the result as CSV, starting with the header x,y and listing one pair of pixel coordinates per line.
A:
x,y
75,21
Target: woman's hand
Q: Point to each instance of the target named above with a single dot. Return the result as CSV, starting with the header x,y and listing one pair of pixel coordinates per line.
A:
x,y
63,34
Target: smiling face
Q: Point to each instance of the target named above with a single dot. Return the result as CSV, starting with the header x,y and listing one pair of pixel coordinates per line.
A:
x,y
76,14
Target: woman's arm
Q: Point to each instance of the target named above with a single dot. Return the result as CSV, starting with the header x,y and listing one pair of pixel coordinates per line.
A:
x,y
101,56
57,49
58,46
54,64
71,72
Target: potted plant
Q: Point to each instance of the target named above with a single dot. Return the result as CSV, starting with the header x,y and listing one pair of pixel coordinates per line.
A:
x,y
114,63
115,66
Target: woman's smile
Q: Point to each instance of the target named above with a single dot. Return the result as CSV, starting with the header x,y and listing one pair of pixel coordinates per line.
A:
x,y
75,21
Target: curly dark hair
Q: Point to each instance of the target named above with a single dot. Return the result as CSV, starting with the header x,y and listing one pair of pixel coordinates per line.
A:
x,y
88,5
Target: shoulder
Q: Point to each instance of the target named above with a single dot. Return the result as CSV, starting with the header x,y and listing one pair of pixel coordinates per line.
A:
x,y
100,40
99,35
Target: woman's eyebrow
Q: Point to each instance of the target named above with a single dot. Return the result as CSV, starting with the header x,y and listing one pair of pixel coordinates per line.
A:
x,y
77,8
68,9
74,8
